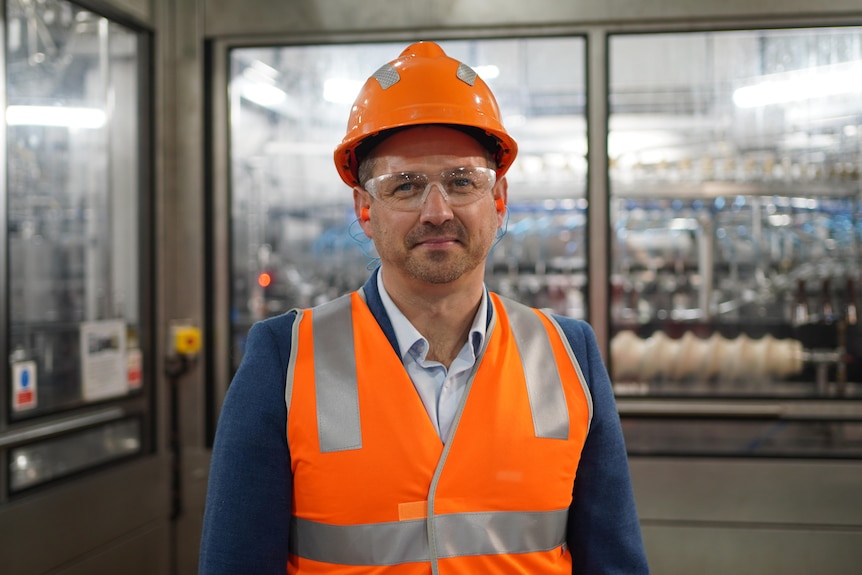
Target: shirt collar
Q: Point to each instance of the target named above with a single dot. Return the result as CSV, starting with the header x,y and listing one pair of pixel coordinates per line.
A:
x,y
409,338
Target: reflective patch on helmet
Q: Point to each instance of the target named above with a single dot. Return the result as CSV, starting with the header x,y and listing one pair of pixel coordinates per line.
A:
x,y
386,75
466,74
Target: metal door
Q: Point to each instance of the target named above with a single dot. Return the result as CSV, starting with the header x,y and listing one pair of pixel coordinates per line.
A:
x,y
83,490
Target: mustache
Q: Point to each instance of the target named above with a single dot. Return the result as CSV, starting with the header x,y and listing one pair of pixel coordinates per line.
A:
x,y
425,232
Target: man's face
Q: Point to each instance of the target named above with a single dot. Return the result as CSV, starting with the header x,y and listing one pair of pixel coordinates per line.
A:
x,y
436,243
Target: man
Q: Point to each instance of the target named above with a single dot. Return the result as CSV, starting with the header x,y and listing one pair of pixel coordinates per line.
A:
x,y
422,424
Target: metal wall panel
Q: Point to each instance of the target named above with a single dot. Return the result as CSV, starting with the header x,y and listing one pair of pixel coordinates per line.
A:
x,y
181,249
231,17
800,492
69,523
134,553
143,11
718,550
749,516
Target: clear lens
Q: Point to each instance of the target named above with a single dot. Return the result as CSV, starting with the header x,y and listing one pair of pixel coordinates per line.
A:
x,y
407,191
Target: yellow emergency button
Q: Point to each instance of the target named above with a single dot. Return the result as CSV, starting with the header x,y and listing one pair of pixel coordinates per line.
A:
x,y
187,340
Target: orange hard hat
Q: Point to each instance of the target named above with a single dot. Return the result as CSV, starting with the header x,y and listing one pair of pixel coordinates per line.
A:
x,y
423,86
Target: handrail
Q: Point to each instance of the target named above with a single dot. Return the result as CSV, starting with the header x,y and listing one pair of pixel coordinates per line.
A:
x,y
824,410
55,427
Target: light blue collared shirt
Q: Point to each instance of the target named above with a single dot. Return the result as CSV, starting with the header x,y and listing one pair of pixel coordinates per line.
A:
x,y
440,389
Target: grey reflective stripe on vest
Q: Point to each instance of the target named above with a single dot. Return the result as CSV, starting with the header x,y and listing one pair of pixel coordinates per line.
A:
x,y
544,385
291,362
336,386
459,534
588,397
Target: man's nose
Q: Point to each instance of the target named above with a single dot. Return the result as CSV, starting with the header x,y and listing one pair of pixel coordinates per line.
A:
x,y
435,207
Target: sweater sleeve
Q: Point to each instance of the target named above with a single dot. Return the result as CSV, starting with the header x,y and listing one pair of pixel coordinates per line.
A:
x,y
604,532
246,518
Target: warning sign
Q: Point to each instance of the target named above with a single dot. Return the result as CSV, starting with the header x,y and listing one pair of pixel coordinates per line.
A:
x,y
23,385
135,363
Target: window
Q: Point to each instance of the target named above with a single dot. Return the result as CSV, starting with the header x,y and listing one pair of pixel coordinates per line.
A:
x,y
74,225
734,172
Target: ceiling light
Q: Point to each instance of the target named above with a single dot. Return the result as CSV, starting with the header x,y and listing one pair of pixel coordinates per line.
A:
x,y
341,90
59,116
801,85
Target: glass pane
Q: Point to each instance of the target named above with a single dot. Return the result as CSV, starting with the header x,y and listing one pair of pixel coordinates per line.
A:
x,y
734,171
38,463
293,244
73,220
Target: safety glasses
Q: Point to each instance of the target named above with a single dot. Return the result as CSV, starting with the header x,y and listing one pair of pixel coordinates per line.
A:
x,y
407,191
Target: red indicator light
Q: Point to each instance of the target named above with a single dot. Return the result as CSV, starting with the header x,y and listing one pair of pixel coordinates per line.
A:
x,y
264,279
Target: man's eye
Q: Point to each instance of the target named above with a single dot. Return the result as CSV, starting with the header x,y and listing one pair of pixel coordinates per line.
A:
x,y
461,185
404,188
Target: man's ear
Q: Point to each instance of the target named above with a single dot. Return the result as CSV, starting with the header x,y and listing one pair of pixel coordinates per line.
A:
x,y
362,208
501,198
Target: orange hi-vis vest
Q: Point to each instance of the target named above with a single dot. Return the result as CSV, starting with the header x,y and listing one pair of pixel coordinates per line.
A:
x,y
375,490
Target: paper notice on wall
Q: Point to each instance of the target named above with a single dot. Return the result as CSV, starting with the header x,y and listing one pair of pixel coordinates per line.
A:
x,y
104,366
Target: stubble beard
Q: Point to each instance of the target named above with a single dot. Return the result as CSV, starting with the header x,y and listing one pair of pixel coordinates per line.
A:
x,y
443,265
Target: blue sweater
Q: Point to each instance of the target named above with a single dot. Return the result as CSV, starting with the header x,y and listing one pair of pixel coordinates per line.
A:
x,y
248,503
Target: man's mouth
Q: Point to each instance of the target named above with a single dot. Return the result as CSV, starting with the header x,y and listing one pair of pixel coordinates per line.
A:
x,y
436,241
434,237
